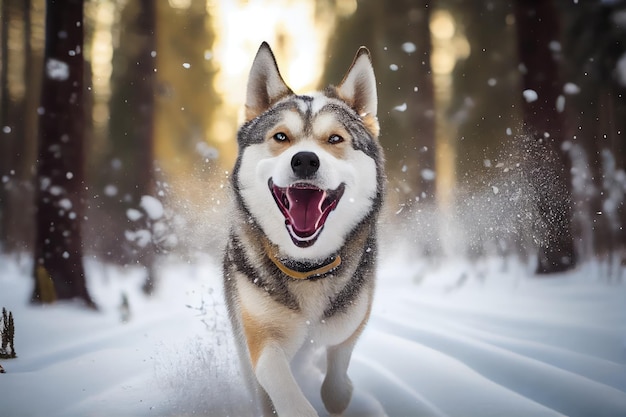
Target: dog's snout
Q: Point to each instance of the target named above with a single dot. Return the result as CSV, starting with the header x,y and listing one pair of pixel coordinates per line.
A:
x,y
305,164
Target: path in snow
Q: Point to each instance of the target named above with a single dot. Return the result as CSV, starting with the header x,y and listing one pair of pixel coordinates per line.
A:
x,y
503,346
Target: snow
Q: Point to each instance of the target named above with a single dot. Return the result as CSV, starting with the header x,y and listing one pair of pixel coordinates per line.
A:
x,y
428,174
620,70
133,214
443,340
57,70
401,108
65,204
140,237
110,190
571,88
409,47
530,95
152,207
560,103
206,151
555,46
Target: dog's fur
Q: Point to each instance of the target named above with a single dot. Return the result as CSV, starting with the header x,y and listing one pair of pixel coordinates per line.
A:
x,y
286,286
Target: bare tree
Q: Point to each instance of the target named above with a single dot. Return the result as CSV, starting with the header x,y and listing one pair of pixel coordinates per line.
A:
x,y
58,268
538,34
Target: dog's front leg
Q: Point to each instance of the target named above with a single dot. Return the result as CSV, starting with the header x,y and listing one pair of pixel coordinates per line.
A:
x,y
337,386
274,374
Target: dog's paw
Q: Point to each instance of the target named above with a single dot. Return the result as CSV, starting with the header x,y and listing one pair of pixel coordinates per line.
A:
x,y
336,394
291,408
304,410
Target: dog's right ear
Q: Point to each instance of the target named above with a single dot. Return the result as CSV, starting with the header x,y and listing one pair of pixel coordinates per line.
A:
x,y
265,85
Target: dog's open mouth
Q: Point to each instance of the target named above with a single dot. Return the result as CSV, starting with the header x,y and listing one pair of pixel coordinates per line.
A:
x,y
305,208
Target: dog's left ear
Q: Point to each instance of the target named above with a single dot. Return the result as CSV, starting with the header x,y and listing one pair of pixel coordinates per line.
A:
x,y
265,85
358,87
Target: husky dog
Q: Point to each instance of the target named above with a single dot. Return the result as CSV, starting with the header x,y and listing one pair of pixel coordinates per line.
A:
x,y
299,265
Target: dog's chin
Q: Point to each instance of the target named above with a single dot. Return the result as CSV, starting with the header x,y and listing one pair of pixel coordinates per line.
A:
x,y
305,208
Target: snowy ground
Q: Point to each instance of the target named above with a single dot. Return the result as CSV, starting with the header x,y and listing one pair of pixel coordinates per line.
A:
x,y
503,345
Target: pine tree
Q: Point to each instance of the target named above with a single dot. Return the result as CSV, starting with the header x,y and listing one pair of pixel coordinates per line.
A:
x,y
11,335
7,329
4,331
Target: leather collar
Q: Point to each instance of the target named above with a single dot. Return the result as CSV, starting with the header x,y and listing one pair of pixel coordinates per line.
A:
x,y
302,270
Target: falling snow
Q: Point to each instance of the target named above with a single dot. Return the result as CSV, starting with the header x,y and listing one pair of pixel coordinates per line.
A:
x,y
428,174
110,190
409,47
530,95
207,151
56,190
133,214
152,207
555,46
560,103
140,237
65,204
402,107
620,70
57,70
571,88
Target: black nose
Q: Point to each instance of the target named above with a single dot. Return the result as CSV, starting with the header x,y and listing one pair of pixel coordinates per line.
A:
x,y
305,164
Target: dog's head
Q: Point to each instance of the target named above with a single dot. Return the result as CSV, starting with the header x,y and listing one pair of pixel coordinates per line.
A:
x,y
310,167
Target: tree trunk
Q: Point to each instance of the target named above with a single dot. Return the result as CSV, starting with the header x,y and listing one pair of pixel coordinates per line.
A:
x,y
144,127
398,36
537,29
409,95
58,268
5,139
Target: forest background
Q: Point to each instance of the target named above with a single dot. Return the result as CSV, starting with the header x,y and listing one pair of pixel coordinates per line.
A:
x,y
502,123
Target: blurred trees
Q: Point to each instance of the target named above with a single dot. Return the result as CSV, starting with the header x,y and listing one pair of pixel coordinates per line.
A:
x,y
21,37
130,158
164,120
58,270
594,101
161,109
485,87
398,35
538,35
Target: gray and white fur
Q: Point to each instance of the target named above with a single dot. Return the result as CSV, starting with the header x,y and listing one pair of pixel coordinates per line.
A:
x,y
292,277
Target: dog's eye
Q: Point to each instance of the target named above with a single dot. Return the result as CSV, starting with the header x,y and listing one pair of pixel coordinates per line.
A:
x,y
280,137
335,139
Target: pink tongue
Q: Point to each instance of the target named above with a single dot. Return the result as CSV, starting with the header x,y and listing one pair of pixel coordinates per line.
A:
x,y
305,209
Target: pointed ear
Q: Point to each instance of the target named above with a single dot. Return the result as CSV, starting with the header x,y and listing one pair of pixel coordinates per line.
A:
x,y
265,85
358,87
